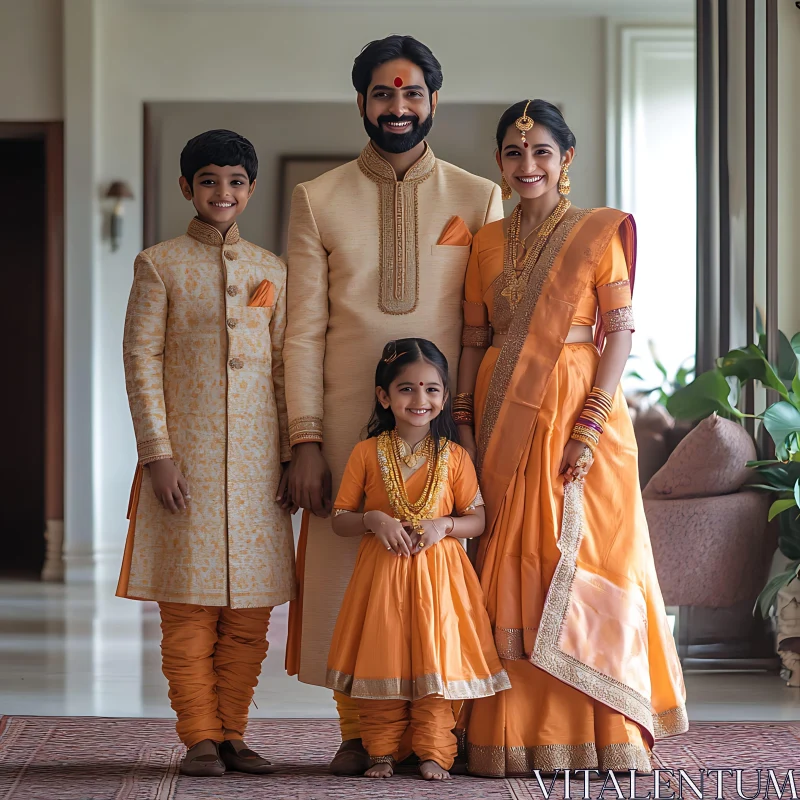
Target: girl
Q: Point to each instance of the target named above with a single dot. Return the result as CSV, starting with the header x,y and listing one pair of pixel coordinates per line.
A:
x,y
412,633
566,563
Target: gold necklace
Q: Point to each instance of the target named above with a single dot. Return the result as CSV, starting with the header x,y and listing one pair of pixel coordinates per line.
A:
x,y
411,456
391,472
515,284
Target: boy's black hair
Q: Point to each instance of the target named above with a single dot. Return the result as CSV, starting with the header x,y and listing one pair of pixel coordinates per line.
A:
x,y
543,113
392,47
396,356
220,147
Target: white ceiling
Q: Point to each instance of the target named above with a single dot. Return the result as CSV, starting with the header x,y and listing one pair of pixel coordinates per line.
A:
x,y
594,8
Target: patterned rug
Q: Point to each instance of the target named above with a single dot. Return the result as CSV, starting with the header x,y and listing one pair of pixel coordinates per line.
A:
x,y
84,758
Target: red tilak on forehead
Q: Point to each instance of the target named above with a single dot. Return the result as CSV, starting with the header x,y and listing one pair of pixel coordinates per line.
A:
x,y
398,82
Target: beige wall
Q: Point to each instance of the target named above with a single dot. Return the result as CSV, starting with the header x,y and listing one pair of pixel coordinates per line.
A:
x,y
31,60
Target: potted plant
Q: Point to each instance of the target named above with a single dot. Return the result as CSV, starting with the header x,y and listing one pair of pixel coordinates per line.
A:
x,y
718,391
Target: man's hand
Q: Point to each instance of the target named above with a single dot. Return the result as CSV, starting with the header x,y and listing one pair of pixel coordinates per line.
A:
x,y
310,479
284,497
169,485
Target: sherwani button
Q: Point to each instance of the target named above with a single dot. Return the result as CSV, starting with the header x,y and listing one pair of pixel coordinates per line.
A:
x,y
231,323
230,255
236,363
233,291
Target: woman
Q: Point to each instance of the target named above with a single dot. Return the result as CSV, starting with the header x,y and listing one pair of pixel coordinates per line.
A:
x,y
566,566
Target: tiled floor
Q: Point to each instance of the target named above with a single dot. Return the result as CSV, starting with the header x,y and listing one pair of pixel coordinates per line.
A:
x,y
78,650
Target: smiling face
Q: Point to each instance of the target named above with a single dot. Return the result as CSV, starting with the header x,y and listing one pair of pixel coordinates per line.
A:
x,y
416,396
398,108
219,194
532,171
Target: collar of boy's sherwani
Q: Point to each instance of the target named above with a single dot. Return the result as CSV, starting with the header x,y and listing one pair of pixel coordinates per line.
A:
x,y
378,169
208,234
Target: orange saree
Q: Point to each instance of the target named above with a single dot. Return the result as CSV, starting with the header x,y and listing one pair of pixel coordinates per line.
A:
x,y
569,579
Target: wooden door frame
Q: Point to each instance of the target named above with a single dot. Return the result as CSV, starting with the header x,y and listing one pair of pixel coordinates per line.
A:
x,y
52,134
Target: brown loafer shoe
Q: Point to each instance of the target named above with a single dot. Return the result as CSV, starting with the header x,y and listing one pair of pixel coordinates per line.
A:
x,y
351,759
245,760
203,761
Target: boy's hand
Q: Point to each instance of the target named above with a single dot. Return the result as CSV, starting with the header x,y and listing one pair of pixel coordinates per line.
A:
x,y
284,497
169,485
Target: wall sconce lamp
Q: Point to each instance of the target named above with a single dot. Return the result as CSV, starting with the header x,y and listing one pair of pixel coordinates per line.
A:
x,y
119,191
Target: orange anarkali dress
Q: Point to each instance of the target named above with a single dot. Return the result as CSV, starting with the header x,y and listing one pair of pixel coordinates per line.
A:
x,y
570,584
412,627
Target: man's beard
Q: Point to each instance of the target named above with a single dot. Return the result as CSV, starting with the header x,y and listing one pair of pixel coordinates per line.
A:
x,y
398,142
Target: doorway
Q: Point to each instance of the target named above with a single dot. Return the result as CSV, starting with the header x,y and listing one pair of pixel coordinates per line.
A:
x,y
31,325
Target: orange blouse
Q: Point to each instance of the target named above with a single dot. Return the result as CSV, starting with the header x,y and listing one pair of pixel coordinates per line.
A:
x,y
363,481
487,311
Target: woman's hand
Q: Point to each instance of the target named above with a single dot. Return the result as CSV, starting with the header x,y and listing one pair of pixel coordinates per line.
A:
x,y
169,485
572,471
390,533
466,436
433,531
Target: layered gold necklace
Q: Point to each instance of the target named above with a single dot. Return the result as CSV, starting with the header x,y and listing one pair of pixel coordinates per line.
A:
x,y
515,282
390,448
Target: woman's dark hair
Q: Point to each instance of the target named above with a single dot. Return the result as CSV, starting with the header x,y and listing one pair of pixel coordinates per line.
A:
x,y
543,113
389,49
220,147
397,355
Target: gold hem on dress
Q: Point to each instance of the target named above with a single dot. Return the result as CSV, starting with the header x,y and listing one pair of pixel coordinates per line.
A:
x,y
422,686
502,762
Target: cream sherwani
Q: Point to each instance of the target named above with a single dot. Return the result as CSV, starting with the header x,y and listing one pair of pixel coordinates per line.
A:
x,y
204,374
364,268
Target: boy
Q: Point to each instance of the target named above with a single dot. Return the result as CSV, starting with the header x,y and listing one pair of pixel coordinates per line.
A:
x,y
204,373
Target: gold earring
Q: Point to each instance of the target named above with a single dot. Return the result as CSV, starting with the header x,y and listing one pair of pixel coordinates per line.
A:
x,y
505,189
563,180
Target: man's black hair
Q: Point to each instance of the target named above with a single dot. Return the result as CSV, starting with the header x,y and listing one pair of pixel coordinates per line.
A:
x,y
220,147
393,47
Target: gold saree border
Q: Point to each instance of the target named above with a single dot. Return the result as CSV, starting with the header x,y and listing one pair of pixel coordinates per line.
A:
x,y
398,225
518,331
499,762
547,654
416,688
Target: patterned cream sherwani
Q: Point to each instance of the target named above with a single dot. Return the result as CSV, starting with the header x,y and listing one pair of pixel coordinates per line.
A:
x,y
204,374
365,268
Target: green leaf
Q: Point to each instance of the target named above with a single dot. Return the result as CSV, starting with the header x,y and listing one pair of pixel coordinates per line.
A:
x,y
769,594
635,375
779,506
797,492
749,363
710,392
787,359
782,421
789,537
781,476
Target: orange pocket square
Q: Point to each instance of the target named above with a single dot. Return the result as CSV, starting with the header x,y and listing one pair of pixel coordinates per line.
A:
x,y
264,296
456,234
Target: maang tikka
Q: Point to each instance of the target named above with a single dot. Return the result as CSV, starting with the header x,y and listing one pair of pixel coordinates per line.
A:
x,y
524,124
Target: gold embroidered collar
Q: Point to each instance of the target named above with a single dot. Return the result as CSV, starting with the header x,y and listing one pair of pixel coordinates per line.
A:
x,y
208,234
398,223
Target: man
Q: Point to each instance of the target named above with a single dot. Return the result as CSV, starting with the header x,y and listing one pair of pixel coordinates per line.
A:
x,y
378,249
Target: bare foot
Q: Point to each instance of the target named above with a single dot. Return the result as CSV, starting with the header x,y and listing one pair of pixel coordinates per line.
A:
x,y
380,770
431,771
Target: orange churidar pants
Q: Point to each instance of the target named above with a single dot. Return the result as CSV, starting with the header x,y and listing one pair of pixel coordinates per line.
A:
x,y
211,657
